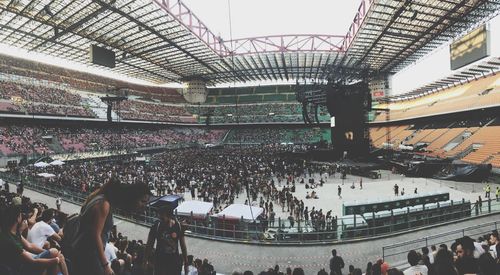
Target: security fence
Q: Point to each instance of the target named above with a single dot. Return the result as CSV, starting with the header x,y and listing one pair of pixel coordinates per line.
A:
x,y
284,231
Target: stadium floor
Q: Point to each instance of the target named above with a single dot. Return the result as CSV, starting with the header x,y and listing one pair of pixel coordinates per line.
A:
x,y
227,257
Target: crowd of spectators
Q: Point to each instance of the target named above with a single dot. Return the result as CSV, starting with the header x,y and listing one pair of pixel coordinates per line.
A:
x,y
88,140
83,81
26,140
58,110
38,93
41,100
9,107
256,109
39,230
33,96
251,113
276,135
264,174
22,141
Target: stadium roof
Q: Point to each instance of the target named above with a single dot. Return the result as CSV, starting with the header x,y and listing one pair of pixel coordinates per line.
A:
x,y
389,35
163,41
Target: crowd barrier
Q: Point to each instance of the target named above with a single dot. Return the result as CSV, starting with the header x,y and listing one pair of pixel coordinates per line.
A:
x,y
282,231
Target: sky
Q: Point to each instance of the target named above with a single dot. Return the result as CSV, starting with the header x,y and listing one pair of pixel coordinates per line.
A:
x,y
252,18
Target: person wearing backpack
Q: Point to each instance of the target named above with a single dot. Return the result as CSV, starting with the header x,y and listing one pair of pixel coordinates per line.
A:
x,y
96,222
167,233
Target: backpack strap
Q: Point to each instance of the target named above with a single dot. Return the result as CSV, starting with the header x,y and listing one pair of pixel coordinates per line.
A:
x,y
91,203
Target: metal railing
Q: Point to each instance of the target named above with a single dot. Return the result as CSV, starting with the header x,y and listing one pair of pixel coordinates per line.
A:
x,y
397,253
283,231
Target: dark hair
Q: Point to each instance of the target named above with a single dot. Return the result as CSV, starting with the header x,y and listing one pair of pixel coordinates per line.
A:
x,y
443,262
248,272
334,252
369,268
121,195
425,250
357,271
47,215
467,243
10,216
487,264
413,257
298,271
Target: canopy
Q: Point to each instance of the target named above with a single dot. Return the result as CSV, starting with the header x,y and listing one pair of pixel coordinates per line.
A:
x,y
167,200
198,208
57,162
41,164
236,211
46,175
348,221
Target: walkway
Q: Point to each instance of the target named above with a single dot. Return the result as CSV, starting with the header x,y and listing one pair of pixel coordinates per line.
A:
x,y
227,257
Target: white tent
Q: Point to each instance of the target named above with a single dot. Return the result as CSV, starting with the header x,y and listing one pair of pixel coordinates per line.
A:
x,y
236,211
41,164
46,175
198,208
57,162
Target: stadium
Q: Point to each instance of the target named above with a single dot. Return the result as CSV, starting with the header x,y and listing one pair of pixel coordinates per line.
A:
x,y
320,137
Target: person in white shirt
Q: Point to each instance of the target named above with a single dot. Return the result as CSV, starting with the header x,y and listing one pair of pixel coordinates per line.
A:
x,y
493,241
110,252
58,203
478,250
415,269
41,231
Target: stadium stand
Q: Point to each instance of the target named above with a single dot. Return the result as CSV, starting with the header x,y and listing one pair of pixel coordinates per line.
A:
x,y
48,113
40,100
477,94
277,135
473,141
17,140
84,81
139,110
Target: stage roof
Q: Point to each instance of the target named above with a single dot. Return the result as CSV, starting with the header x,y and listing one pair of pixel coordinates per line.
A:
x,y
163,41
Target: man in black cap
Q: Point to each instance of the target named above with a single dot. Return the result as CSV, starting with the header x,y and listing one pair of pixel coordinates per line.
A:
x,y
167,233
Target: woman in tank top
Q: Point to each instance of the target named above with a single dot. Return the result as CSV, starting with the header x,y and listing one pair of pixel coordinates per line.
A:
x,y
97,222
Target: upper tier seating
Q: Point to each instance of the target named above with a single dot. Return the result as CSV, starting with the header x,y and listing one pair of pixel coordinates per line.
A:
x,y
484,92
84,81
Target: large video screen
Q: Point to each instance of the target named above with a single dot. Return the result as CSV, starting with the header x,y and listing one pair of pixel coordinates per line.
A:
x,y
471,47
102,56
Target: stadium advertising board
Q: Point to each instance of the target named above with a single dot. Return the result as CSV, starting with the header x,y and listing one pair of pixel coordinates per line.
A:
x,y
469,48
